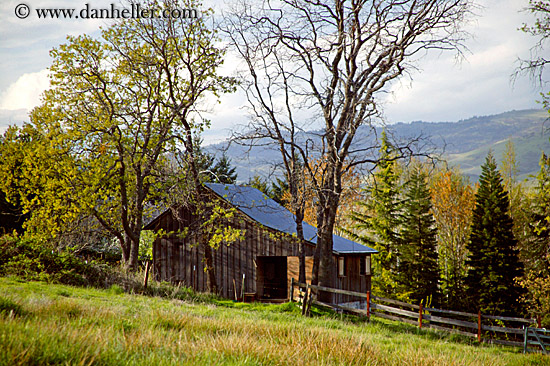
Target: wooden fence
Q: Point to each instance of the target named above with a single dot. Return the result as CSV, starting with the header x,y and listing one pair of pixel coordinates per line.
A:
x,y
503,330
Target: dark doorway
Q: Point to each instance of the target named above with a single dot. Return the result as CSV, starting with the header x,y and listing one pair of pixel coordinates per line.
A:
x,y
272,277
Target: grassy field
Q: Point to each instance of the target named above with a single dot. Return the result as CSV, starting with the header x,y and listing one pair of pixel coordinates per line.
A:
x,y
44,324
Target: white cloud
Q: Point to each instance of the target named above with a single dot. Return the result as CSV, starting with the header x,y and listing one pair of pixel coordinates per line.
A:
x,y
25,92
481,83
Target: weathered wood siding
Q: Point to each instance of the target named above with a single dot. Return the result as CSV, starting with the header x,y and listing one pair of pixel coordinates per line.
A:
x,y
352,280
180,260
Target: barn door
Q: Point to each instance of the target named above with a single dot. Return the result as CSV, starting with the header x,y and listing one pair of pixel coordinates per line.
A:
x,y
272,277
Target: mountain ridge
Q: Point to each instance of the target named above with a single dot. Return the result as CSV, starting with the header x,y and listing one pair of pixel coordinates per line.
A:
x,y
464,143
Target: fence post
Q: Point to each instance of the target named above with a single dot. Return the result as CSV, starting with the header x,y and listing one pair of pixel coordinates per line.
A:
x,y
525,339
538,321
242,289
368,305
479,326
310,299
292,289
147,267
420,316
304,301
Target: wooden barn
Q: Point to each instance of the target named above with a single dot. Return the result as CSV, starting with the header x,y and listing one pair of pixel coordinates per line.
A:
x,y
263,261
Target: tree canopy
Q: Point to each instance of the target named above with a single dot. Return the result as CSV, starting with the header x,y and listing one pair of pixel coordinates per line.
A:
x,y
119,109
493,257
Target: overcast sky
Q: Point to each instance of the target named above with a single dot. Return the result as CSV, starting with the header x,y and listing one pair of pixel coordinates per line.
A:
x,y
442,90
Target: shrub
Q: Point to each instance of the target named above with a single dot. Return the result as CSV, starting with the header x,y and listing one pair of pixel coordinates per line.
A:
x,y
30,260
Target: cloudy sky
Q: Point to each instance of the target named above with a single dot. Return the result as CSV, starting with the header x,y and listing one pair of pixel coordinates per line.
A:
x,y
442,90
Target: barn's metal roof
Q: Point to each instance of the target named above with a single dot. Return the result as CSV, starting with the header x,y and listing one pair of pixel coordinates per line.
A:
x,y
269,213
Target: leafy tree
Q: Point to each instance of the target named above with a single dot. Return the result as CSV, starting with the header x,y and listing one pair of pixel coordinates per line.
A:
x,y
453,200
118,106
493,258
378,221
418,258
535,250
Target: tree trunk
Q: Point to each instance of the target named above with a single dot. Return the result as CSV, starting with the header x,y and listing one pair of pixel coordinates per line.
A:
x,y
301,246
211,284
132,263
125,246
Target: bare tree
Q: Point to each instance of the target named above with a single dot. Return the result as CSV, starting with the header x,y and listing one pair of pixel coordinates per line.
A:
x,y
312,65
535,66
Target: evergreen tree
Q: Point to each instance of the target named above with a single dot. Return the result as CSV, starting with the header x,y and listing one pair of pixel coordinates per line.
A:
x,y
537,250
224,172
493,260
260,184
418,266
378,221
278,189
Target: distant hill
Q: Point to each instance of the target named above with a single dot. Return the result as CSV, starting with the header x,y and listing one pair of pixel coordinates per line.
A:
x,y
464,143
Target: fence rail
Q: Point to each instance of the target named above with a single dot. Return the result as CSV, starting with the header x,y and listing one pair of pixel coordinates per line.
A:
x,y
536,337
486,328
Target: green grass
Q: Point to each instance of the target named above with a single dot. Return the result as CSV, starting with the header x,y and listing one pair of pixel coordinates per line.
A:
x,y
47,324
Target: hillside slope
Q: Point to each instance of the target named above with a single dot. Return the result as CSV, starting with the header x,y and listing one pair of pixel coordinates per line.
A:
x,y
464,143
44,324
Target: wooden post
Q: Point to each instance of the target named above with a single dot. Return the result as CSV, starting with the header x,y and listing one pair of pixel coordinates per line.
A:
x,y
235,289
479,326
420,316
292,289
310,299
539,322
242,289
147,266
368,305
304,301
525,339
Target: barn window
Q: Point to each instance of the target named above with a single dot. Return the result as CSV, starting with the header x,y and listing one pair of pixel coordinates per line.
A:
x,y
364,266
341,266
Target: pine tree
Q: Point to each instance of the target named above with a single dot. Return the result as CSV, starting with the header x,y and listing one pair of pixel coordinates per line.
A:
x,y
418,266
224,172
377,222
493,260
537,253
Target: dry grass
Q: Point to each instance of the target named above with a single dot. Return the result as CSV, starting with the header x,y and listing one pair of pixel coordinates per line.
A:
x,y
57,324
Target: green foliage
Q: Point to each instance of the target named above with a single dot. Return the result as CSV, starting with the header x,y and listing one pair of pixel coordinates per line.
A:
x,y
260,184
535,248
31,260
224,172
452,205
277,191
418,258
377,224
99,144
493,260
536,252
213,171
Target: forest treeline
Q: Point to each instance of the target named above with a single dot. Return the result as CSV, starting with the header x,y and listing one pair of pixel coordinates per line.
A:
x,y
445,240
